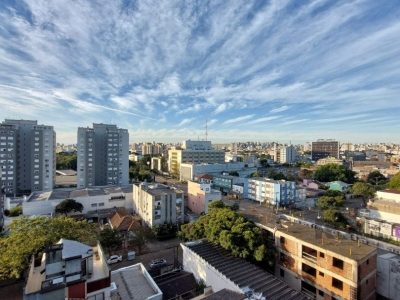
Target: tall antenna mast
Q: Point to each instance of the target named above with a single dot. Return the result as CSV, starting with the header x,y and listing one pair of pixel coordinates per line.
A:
x,y
206,129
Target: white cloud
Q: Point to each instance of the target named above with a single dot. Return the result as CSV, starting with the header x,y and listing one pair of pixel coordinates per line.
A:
x,y
279,109
185,122
238,119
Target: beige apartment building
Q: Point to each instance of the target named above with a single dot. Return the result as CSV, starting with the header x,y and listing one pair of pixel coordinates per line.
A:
x,y
158,204
195,152
324,266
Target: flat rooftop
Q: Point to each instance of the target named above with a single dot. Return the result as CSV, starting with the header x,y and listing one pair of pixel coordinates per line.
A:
x,y
156,189
65,193
243,273
328,242
133,283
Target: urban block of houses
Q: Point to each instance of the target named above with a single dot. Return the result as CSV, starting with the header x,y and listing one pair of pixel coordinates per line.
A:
x,y
69,270
228,183
274,192
97,201
200,195
158,204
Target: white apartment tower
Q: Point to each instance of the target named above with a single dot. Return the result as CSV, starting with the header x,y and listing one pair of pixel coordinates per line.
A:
x,y
27,157
103,156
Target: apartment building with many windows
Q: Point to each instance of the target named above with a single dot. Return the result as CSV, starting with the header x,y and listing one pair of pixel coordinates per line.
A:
x,y
158,204
273,192
195,152
103,156
324,266
324,148
27,156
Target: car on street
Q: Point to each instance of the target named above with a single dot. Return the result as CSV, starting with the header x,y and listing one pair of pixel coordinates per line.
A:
x,y
114,259
158,263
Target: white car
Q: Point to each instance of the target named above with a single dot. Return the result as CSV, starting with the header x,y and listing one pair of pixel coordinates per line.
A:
x,y
114,259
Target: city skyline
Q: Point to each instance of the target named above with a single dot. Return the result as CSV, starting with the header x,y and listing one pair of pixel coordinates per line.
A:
x,y
277,70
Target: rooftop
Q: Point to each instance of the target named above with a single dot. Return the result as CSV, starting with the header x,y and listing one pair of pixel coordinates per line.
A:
x,y
123,221
344,247
156,189
243,273
65,193
176,283
133,282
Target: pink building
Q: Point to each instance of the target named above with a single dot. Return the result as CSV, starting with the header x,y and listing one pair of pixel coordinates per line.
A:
x,y
200,194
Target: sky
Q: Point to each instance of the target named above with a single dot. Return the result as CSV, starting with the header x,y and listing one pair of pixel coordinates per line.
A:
x,y
254,70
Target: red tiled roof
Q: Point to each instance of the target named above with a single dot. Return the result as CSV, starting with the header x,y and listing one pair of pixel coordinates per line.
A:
x,y
123,221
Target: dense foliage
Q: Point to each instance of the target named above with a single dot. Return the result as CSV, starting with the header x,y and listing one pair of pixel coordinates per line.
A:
x,y
110,239
13,212
30,236
332,172
165,231
227,228
394,182
66,161
68,205
363,189
140,170
331,199
376,178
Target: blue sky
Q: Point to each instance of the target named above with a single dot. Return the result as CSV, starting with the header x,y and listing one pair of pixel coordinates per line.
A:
x,y
257,70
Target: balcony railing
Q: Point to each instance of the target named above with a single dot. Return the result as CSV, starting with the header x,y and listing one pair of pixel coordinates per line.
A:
x,y
309,257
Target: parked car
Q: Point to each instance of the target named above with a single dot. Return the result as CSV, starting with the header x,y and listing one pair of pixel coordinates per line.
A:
x,y
114,259
158,263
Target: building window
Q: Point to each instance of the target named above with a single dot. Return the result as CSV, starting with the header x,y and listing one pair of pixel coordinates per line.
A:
x,y
282,240
338,263
321,293
336,283
321,274
367,261
322,255
282,272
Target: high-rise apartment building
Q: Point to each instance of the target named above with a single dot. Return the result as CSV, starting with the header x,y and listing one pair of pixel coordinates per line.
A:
x,y
288,155
195,152
103,156
324,148
27,156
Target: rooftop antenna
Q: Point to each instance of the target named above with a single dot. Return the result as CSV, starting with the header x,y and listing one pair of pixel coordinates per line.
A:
x,y
206,130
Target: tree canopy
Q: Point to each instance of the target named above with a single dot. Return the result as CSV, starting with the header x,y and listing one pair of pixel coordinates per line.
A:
x,y
363,189
110,239
225,227
376,178
30,236
332,172
331,199
65,161
394,182
67,206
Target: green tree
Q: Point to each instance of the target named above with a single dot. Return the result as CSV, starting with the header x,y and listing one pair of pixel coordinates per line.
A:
x,y
67,206
30,236
255,174
65,161
334,217
394,182
110,239
15,211
227,228
140,236
327,201
363,189
376,178
332,172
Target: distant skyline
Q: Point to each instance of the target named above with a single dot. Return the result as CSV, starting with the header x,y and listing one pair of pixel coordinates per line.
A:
x,y
257,70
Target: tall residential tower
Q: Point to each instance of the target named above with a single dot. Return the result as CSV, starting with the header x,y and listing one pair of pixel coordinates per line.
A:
x,y
103,156
27,156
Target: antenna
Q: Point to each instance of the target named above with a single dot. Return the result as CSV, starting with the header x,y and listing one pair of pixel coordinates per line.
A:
x,y
206,129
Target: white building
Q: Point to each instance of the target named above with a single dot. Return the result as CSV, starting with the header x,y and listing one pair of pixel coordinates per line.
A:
x,y
103,156
274,192
156,163
288,155
96,201
190,171
158,204
388,276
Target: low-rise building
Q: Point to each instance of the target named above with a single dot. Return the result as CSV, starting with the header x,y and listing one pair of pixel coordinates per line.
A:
x,y
158,204
274,192
190,171
388,276
339,186
97,201
324,266
133,282
200,195
69,270
220,270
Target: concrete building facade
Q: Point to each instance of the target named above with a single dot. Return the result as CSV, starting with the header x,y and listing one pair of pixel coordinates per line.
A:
x,y
274,192
27,156
195,152
324,148
158,204
103,156
200,195
324,266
